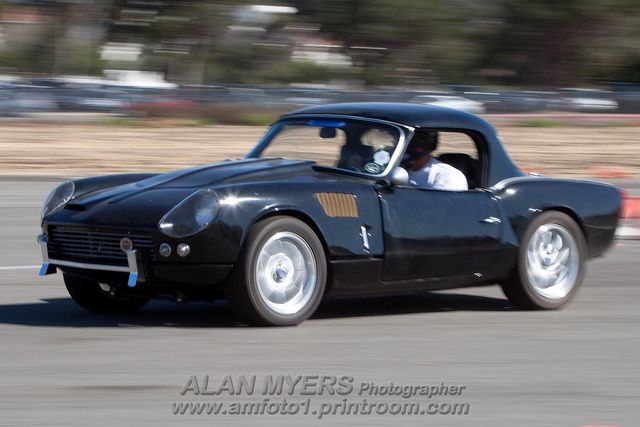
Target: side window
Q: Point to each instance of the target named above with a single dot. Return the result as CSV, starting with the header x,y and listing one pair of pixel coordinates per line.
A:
x,y
456,142
460,151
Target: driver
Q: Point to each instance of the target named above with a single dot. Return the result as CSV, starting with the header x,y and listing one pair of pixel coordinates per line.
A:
x,y
427,171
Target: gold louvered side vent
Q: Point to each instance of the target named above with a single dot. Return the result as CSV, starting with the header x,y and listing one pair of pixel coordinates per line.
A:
x,y
341,205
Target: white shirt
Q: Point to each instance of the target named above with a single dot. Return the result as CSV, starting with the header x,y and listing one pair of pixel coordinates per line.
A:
x,y
439,176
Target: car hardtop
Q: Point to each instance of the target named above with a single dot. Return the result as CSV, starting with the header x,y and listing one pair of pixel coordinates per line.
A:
x,y
497,164
418,116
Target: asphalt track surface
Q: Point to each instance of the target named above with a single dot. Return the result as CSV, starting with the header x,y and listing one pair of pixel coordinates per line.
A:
x,y
62,366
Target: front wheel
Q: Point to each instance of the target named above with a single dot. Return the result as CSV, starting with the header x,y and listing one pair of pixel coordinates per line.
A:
x,y
551,263
282,273
88,295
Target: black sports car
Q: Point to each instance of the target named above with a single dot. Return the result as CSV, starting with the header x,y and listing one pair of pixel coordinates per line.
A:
x,y
324,205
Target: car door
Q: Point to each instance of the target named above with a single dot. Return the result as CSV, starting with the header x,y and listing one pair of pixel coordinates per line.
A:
x,y
439,234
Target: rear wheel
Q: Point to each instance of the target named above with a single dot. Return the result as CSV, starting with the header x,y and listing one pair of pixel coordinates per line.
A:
x,y
551,263
282,273
90,296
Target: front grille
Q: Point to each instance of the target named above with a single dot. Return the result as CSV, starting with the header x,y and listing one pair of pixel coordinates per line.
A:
x,y
101,246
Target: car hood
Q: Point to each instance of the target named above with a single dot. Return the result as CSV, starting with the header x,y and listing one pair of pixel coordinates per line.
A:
x,y
205,176
147,200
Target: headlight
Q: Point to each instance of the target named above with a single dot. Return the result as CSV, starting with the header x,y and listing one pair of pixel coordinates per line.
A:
x,y
59,197
191,215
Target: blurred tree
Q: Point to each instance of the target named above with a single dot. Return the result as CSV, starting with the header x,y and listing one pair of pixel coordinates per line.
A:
x,y
428,41
549,43
416,42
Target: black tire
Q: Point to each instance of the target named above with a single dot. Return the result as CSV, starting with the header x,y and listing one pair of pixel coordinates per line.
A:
x,y
88,295
519,288
242,289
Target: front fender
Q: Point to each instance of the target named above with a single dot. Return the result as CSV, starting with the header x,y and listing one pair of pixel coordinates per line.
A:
x,y
241,208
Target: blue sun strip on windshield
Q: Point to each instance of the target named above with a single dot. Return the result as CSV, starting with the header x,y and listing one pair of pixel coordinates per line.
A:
x,y
327,123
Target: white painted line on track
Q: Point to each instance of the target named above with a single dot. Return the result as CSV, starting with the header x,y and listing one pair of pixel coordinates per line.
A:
x,y
625,232
19,267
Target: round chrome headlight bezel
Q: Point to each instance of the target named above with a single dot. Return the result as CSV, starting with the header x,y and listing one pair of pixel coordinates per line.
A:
x,y
191,215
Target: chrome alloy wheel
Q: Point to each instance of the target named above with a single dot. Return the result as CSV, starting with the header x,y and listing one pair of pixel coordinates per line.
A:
x,y
553,261
286,273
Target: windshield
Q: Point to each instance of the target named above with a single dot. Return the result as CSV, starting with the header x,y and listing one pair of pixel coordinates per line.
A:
x,y
358,146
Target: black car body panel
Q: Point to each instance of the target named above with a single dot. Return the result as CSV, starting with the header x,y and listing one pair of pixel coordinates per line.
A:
x,y
439,234
400,237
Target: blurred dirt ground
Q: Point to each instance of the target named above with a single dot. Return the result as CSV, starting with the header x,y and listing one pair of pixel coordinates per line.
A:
x,y
68,150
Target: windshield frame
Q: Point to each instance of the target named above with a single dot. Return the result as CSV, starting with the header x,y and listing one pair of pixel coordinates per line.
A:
x,y
405,132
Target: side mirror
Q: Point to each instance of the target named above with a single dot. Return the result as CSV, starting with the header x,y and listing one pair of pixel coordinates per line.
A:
x,y
400,176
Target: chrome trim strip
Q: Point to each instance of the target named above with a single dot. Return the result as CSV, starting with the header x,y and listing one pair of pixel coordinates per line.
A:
x,y
507,181
87,266
492,220
365,238
514,179
49,264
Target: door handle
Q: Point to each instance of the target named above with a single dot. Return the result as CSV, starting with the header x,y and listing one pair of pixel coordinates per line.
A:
x,y
491,220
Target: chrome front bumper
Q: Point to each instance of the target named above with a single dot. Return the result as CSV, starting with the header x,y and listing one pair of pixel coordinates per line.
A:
x,y
49,265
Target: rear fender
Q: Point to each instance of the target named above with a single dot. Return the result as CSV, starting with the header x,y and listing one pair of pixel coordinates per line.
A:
x,y
596,207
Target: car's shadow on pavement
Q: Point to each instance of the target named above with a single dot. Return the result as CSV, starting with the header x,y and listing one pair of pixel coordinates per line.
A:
x,y
63,312
423,302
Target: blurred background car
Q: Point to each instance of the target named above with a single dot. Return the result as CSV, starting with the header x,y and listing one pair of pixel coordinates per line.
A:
x,y
8,105
586,100
525,101
92,99
18,100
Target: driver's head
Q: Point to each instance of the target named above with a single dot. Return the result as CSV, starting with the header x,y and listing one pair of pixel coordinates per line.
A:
x,y
420,148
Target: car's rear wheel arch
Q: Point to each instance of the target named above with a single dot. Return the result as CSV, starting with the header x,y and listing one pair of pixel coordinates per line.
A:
x,y
522,227
574,216
521,230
